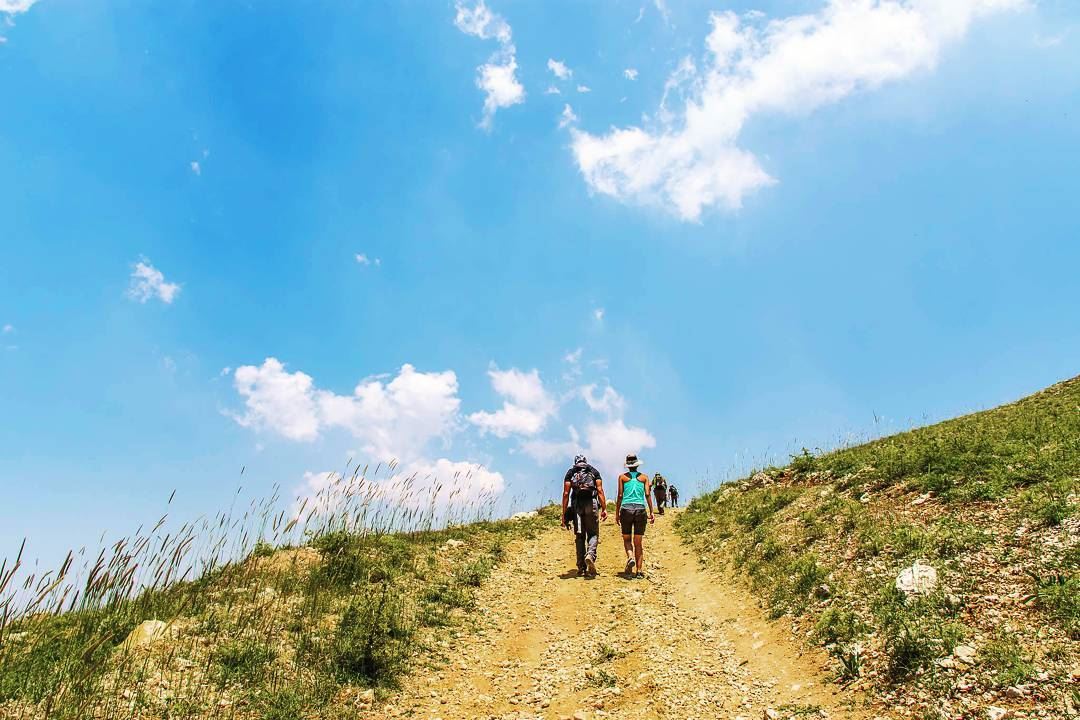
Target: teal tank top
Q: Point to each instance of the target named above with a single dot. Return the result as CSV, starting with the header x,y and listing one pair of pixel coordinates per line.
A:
x,y
634,490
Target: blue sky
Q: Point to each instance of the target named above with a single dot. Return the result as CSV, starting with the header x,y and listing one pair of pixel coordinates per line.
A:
x,y
789,223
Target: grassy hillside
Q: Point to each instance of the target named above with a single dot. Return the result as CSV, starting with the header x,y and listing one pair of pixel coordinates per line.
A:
x,y
312,631
989,501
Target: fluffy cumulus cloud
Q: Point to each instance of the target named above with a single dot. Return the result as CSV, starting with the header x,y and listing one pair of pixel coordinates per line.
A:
x,y
527,404
413,494
607,401
394,419
498,76
608,443
148,283
559,69
690,160
568,117
607,437
8,10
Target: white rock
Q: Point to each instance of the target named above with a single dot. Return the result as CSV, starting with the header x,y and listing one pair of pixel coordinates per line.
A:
x,y
965,654
996,713
919,579
146,633
524,515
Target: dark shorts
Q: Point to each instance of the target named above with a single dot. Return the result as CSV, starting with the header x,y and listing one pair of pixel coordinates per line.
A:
x,y
633,520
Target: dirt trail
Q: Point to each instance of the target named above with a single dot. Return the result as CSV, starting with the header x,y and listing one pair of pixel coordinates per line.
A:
x,y
679,644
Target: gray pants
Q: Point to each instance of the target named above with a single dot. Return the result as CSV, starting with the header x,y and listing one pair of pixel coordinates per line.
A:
x,y
586,536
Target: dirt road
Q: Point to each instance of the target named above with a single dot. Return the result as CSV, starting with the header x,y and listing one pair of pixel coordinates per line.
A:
x,y
680,643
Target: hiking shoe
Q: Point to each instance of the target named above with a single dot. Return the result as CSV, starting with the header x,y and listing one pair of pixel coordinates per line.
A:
x,y
631,564
581,572
590,566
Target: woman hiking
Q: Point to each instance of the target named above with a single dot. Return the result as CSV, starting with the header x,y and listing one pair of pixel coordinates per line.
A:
x,y
634,495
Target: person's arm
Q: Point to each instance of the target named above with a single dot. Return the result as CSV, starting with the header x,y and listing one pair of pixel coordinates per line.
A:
x,y
565,501
603,499
648,497
618,500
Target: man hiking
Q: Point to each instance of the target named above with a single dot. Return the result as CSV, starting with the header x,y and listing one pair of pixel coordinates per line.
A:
x,y
659,486
584,505
673,493
634,495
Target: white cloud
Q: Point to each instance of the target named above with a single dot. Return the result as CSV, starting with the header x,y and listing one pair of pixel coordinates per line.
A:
x,y
362,259
662,8
415,494
691,161
278,400
584,89
196,168
482,23
527,405
609,442
14,7
608,402
598,314
497,77
568,117
574,357
1049,41
394,419
9,328
546,452
147,282
630,74
606,444
552,90
498,81
559,69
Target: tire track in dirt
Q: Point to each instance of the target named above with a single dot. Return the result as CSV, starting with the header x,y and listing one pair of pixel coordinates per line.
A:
x,y
679,644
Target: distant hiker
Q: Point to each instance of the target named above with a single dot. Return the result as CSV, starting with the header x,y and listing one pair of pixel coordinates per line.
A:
x,y
673,493
584,505
630,505
659,487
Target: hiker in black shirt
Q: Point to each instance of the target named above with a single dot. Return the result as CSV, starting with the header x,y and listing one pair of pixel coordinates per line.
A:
x,y
584,505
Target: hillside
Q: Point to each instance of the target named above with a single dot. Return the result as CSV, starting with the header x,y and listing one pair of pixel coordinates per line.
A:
x,y
988,623
319,630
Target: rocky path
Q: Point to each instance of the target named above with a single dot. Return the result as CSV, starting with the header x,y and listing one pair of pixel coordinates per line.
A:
x,y
678,644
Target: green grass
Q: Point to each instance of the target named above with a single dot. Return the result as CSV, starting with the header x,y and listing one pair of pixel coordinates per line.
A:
x,y
846,520
280,631
1007,657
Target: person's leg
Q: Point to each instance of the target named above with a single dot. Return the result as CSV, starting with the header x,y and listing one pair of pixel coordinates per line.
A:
x,y
628,547
591,526
579,542
639,553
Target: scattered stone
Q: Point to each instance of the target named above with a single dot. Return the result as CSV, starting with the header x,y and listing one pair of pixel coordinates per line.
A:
x,y
965,654
996,713
770,714
146,634
919,579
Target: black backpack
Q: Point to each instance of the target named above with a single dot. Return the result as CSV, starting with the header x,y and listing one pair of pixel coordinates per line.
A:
x,y
583,484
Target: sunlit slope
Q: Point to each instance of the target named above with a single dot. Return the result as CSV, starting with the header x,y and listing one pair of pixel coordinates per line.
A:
x,y
986,503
